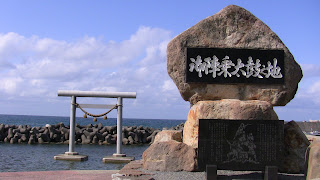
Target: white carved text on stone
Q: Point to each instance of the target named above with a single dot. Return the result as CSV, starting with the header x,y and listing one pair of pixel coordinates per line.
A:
x,y
227,68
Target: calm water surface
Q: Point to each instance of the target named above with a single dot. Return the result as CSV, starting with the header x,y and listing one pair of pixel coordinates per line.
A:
x,y
25,157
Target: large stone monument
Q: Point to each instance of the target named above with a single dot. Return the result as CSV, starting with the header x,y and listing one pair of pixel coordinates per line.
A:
x,y
232,27
231,66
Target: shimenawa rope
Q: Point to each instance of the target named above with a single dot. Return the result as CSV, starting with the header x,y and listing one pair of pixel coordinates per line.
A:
x,y
95,115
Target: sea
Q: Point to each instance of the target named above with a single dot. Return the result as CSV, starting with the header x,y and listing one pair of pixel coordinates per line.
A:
x,y
39,157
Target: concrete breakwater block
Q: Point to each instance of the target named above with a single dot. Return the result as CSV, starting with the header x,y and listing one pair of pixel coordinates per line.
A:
x,y
84,134
71,157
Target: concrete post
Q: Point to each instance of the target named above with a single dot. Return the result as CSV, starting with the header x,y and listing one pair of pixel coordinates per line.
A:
x,y
119,129
72,127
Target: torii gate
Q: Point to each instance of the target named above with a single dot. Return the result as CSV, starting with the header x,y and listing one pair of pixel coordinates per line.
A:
x,y
74,156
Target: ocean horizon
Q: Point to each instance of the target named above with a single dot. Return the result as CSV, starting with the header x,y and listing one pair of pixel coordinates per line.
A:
x,y
41,120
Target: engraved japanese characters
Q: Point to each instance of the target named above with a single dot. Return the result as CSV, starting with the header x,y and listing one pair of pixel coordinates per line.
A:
x,y
240,144
226,65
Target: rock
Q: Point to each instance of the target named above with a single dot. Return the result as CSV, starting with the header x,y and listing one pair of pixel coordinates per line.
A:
x,y
313,163
108,139
100,126
13,140
154,133
91,135
89,129
224,109
10,133
100,137
103,130
32,139
167,135
16,131
95,139
84,140
66,136
130,139
86,133
129,129
23,130
56,137
136,138
109,129
179,127
17,135
132,134
2,128
169,156
295,146
113,139
149,139
40,140
34,130
144,137
42,130
104,134
77,130
44,137
232,27
125,141
23,138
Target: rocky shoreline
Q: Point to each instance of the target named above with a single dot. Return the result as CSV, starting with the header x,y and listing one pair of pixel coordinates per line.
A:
x,y
88,134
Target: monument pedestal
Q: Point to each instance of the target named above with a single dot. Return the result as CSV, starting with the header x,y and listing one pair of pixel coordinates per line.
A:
x,y
232,109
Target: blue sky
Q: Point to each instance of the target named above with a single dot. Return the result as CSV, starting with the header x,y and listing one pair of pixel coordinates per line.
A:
x,y
121,46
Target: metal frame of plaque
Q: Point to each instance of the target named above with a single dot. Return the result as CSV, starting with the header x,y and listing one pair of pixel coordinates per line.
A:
x,y
232,66
240,144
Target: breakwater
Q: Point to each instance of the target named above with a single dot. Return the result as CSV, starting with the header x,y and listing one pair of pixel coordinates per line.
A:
x,y
89,134
309,126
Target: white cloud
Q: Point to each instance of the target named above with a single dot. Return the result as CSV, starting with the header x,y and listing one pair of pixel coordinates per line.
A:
x,y
34,68
315,88
9,85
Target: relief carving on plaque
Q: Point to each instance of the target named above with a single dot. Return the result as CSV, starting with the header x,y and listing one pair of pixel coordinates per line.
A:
x,y
242,147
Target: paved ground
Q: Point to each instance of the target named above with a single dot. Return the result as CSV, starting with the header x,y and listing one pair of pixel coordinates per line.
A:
x,y
59,175
134,171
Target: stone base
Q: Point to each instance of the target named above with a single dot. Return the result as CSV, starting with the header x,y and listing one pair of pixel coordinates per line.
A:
x,y
118,155
224,109
117,159
71,153
67,157
169,156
